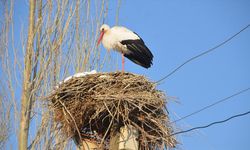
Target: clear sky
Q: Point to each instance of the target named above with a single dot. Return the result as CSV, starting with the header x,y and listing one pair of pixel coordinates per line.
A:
x,y
177,30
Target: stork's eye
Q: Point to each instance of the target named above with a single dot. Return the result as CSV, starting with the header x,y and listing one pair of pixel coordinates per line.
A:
x,y
102,29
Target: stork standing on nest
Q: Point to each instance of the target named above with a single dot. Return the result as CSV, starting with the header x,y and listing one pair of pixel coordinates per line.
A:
x,y
126,42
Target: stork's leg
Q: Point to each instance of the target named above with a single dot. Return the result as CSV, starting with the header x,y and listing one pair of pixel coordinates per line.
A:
x,y
123,61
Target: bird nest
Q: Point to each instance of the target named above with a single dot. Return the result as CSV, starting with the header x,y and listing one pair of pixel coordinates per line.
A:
x,y
96,106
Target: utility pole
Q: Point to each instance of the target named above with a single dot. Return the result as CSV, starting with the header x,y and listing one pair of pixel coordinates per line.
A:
x,y
88,145
126,139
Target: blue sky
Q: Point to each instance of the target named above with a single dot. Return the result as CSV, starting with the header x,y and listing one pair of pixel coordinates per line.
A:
x,y
177,30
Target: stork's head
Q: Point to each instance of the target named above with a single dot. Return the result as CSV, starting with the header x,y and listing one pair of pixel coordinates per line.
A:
x,y
103,29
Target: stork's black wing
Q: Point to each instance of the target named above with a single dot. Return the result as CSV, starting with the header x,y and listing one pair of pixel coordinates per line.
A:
x,y
138,52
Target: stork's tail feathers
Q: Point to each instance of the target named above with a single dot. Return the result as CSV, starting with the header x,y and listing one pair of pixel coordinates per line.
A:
x,y
138,52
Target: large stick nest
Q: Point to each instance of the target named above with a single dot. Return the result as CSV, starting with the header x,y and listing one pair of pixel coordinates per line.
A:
x,y
94,104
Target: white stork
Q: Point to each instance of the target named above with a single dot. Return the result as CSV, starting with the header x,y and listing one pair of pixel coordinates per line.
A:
x,y
126,42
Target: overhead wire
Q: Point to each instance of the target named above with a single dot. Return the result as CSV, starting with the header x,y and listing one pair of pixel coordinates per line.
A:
x,y
213,123
203,53
211,105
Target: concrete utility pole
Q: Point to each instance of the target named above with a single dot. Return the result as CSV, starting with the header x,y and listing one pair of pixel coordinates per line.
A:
x,y
88,145
125,140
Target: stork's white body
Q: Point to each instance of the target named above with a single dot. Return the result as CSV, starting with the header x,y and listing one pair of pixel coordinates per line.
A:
x,y
113,37
126,42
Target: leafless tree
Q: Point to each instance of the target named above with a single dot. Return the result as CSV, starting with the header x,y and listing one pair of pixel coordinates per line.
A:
x,y
5,109
5,104
60,41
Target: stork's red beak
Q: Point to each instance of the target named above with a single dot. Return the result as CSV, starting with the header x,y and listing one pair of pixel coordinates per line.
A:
x,y
100,38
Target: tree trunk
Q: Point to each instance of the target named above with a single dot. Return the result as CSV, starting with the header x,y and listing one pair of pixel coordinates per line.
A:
x,y
26,91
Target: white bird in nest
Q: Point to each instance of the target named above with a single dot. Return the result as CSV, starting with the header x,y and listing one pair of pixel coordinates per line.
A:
x,y
126,42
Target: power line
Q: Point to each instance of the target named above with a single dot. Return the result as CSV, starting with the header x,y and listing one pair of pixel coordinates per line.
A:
x,y
203,53
213,123
213,104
